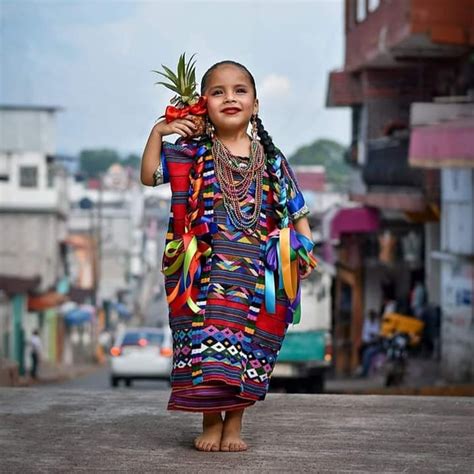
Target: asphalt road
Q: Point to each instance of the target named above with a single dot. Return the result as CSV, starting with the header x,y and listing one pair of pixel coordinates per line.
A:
x,y
100,380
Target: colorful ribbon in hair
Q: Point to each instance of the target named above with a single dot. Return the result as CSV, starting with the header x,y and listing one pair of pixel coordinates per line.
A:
x,y
173,113
285,250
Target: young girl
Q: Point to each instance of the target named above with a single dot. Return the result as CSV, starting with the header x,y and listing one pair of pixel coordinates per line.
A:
x,y
234,212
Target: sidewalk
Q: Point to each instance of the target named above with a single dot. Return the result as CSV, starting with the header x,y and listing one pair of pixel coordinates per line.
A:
x,y
423,378
62,430
49,374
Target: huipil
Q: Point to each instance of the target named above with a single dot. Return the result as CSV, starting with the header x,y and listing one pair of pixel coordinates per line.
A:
x,y
228,308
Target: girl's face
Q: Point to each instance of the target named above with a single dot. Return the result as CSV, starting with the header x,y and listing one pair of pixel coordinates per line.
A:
x,y
231,99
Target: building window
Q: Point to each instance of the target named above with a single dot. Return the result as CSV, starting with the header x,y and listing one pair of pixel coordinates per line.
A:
x,y
373,5
361,12
51,175
28,176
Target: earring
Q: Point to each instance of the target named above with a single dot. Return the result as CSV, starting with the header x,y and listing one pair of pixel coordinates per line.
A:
x,y
210,129
254,127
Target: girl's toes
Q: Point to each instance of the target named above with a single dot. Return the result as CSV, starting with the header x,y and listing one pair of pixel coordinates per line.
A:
x,y
224,447
214,447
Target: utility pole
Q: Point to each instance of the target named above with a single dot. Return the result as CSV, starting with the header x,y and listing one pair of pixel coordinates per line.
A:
x,y
99,229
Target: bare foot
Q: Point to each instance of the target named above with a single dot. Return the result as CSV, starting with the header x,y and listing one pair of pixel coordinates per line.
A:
x,y
231,439
210,439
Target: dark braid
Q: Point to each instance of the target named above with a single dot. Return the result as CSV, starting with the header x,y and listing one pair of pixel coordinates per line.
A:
x,y
266,140
275,169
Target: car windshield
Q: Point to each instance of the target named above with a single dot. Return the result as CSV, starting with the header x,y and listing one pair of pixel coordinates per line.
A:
x,y
151,338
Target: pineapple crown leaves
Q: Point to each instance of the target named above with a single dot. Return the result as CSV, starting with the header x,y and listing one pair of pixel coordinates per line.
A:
x,y
183,82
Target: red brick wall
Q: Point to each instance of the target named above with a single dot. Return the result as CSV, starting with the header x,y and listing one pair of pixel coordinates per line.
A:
x,y
369,42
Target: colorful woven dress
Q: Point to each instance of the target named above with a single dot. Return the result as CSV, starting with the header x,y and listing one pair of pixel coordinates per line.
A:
x,y
228,310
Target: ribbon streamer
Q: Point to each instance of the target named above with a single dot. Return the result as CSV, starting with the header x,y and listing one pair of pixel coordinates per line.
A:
x,y
187,251
285,250
173,113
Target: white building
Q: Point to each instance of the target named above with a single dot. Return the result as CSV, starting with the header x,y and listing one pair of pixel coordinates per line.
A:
x,y
33,213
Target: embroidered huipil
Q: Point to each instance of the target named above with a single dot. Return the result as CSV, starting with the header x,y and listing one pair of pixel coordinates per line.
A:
x,y
224,355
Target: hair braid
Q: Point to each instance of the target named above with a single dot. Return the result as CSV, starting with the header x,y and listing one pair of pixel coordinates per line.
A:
x,y
196,183
275,169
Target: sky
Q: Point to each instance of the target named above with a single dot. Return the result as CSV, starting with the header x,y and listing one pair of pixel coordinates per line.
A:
x,y
94,60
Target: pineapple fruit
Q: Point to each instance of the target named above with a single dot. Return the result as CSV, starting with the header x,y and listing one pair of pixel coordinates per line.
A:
x,y
183,83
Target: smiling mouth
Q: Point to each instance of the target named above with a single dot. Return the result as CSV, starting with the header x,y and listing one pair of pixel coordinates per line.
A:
x,y
231,111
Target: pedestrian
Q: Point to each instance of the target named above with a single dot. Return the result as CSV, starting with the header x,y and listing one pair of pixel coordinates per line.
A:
x,y
35,352
418,299
370,332
238,243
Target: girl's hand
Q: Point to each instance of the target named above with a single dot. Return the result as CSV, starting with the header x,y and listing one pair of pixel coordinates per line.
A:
x,y
305,270
184,127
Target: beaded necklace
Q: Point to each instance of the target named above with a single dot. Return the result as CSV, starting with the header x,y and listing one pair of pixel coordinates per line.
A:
x,y
235,191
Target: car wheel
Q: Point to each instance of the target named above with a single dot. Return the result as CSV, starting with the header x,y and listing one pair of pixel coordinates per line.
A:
x,y
128,382
114,381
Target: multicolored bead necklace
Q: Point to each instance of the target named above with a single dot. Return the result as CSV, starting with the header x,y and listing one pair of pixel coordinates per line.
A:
x,y
235,191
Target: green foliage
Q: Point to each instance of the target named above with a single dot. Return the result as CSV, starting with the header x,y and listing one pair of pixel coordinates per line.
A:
x,y
327,153
93,162
132,160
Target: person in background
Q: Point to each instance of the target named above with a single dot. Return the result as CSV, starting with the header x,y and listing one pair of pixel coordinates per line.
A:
x,y
418,299
370,332
36,349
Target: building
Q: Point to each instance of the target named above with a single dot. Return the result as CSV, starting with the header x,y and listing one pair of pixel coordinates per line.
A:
x,y
397,54
33,215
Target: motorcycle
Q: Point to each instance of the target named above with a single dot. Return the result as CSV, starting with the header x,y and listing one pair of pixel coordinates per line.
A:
x,y
396,359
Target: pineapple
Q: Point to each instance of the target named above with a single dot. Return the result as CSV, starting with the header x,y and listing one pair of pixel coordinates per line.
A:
x,y
187,100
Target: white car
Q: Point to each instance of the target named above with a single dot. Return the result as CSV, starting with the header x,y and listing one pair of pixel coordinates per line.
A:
x,y
141,353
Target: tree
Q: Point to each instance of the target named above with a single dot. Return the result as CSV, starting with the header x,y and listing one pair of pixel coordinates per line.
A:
x,y
327,153
133,161
93,162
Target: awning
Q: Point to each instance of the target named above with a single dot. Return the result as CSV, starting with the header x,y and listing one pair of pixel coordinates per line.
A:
x,y
398,200
352,220
12,284
45,301
344,89
80,315
449,144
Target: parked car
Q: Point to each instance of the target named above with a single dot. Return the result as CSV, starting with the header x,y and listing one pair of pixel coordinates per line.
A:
x,y
141,353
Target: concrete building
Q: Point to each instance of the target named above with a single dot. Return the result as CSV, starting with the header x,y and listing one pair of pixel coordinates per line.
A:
x,y
397,54
33,214
443,138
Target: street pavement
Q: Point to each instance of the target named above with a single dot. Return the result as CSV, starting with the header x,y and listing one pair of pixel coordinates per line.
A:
x,y
99,379
64,430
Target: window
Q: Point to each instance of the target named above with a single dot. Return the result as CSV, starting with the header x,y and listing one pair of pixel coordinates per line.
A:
x,y
373,5
134,338
51,175
360,12
28,176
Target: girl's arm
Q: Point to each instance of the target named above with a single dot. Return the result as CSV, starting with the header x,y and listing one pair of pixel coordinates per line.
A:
x,y
152,151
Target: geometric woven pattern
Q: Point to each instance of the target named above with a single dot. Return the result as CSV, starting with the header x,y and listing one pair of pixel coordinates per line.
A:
x,y
235,365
